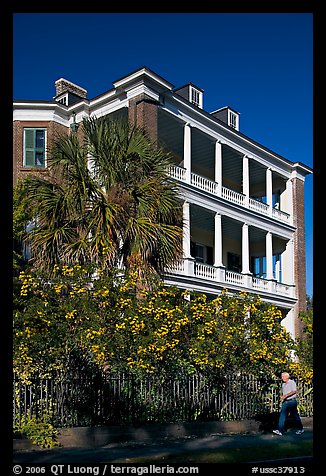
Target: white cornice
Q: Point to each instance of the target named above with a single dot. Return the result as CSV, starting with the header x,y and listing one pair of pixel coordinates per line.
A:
x,y
301,170
144,74
108,108
40,112
104,97
142,89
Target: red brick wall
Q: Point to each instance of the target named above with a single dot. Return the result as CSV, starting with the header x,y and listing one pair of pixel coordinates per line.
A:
x,y
18,131
299,251
143,113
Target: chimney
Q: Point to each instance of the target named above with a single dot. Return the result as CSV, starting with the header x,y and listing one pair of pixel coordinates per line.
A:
x,y
63,85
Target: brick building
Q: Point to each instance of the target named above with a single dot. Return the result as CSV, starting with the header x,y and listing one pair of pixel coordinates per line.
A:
x,y
243,203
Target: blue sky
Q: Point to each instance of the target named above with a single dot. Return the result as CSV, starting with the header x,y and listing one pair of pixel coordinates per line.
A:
x,y
260,64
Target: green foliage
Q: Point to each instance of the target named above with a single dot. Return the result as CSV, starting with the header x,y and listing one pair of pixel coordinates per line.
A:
x,y
304,348
39,430
160,330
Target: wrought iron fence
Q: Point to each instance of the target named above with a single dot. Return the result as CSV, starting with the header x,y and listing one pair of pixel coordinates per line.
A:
x,y
97,399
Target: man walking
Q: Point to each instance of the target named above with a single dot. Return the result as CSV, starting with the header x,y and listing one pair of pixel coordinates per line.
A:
x,y
289,405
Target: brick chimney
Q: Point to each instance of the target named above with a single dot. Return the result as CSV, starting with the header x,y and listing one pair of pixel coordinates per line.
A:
x,y
63,85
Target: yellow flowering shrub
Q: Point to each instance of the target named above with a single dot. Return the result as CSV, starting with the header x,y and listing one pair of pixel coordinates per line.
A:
x,y
162,330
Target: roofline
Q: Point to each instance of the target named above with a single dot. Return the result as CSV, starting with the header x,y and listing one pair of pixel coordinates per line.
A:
x,y
189,84
303,168
144,70
225,107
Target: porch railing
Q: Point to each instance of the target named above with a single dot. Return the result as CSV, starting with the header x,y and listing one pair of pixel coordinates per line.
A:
x,y
224,276
210,186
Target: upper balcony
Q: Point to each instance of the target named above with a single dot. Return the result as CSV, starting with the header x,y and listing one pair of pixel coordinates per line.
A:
x,y
235,173
210,186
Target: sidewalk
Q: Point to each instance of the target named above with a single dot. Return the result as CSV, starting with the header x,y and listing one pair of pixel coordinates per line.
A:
x,y
215,448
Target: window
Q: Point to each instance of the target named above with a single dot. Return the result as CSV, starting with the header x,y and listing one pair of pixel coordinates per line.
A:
x,y
234,262
258,266
233,120
202,253
195,97
34,147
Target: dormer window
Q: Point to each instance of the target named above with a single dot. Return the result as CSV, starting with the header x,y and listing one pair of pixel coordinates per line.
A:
x,y
233,120
228,115
196,97
192,93
63,99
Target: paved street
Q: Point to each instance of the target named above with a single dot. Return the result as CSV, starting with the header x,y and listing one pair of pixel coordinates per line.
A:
x,y
217,447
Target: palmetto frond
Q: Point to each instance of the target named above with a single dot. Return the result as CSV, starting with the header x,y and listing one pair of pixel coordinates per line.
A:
x,y
107,198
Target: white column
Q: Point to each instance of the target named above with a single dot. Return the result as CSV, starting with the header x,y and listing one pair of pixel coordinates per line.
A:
x,y
187,151
245,249
286,199
218,241
287,263
188,260
269,255
245,178
269,190
277,269
186,230
218,166
288,323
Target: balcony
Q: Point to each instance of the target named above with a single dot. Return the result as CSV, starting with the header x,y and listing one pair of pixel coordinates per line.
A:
x,y
226,278
211,187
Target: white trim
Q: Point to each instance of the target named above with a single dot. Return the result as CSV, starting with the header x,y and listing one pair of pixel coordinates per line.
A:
x,y
145,73
195,91
233,119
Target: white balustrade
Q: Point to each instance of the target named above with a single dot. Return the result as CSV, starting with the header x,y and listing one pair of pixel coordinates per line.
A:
x,y
234,278
178,173
176,269
210,273
204,183
205,271
233,196
284,289
260,284
258,206
278,214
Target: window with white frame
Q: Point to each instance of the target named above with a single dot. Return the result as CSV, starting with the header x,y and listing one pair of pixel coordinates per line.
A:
x,y
34,147
63,100
233,120
195,97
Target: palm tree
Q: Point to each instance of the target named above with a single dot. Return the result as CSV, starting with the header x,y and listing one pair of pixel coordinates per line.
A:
x,y
107,200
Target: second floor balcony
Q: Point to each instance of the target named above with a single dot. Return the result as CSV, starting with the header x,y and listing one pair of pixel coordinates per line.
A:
x,y
236,172
214,188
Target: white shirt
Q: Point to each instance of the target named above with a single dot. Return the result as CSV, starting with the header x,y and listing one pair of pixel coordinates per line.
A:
x,y
288,387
